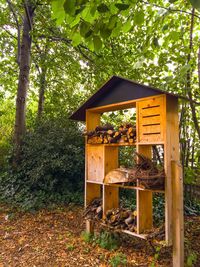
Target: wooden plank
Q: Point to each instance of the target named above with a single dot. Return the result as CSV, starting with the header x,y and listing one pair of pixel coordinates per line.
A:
x,y
110,158
92,191
110,198
177,216
150,119
151,128
95,163
92,120
171,152
144,200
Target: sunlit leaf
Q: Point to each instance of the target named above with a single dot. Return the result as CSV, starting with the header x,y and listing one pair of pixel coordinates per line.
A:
x,y
97,43
139,17
127,26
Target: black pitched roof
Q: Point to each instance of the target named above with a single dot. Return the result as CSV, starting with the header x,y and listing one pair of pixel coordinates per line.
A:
x,y
117,89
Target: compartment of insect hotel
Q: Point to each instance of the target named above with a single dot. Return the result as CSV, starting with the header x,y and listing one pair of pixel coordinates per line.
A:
x,y
152,133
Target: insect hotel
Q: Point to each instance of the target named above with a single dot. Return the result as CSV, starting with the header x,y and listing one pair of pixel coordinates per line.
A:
x,y
157,123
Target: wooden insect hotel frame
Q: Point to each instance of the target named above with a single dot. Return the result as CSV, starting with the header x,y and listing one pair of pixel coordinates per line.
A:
x,y
157,123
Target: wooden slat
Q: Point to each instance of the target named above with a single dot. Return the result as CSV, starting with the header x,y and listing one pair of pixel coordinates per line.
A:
x,y
171,152
151,128
110,158
92,191
95,160
177,216
144,200
150,120
110,198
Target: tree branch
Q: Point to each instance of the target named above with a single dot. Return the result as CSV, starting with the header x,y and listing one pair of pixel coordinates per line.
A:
x,y
170,9
18,31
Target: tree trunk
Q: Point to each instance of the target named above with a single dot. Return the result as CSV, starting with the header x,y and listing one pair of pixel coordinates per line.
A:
x,y
189,89
42,91
24,68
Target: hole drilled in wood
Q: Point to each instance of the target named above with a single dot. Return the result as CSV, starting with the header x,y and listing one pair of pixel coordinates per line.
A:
x,y
151,107
151,133
149,116
151,124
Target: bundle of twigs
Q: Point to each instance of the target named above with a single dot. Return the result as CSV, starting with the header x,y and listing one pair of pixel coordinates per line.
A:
x,y
148,174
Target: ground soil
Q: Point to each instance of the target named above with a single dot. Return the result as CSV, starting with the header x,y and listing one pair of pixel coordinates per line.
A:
x,y
52,237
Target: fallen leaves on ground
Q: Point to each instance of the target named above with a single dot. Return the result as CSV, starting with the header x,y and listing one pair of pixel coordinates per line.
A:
x,y
53,238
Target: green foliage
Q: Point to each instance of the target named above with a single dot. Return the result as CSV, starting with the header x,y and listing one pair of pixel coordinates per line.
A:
x,y
118,260
107,240
104,239
191,259
51,168
195,4
87,237
156,257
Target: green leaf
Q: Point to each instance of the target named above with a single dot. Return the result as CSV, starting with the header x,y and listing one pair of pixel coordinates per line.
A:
x,y
155,42
117,29
58,11
139,17
97,43
86,15
76,39
69,7
174,35
127,26
105,32
75,21
121,6
165,27
112,22
195,4
84,28
102,8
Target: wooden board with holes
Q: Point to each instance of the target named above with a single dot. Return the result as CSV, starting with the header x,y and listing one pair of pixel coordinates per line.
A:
x,y
151,114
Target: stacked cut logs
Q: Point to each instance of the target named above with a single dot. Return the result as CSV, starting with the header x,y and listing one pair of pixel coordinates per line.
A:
x,y
106,134
121,219
118,219
94,210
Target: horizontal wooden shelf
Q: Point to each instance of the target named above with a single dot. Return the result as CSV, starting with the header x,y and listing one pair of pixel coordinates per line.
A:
x,y
129,144
94,182
136,188
142,236
113,144
128,187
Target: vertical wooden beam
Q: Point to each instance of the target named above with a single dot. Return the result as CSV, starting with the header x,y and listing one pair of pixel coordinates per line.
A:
x,y
171,152
110,198
144,199
177,214
91,190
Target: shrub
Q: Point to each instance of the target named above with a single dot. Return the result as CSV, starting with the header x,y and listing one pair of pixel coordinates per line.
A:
x,y
51,168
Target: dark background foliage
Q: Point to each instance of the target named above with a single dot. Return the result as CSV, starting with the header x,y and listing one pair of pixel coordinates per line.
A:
x,y
51,168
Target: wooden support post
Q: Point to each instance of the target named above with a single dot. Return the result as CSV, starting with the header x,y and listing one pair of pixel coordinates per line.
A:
x,y
144,200
177,214
110,198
